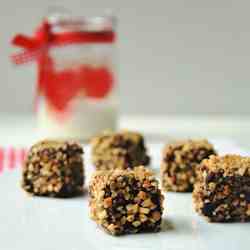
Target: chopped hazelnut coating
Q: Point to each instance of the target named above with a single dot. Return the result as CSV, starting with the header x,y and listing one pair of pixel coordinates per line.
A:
x,y
179,163
121,204
54,168
222,190
122,150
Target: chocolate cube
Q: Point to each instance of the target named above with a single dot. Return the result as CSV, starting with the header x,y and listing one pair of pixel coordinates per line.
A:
x,y
54,168
179,163
222,190
126,201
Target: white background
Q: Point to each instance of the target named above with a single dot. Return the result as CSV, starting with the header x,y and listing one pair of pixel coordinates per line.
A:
x,y
175,56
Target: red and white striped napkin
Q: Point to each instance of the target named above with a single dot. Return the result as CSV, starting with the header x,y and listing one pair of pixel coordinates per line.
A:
x,y
11,158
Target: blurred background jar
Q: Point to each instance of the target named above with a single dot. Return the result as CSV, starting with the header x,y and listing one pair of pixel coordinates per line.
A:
x,y
77,77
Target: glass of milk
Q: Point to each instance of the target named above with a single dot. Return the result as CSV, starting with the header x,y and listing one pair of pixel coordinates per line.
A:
x,y
77,78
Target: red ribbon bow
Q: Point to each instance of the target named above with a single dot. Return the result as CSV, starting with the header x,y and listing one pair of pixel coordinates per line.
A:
x,y
44,38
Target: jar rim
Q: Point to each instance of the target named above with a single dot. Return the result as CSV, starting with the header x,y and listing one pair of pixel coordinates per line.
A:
x,y
65,23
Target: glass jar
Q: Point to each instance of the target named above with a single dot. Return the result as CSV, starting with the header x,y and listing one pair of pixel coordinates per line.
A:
x,y
77,80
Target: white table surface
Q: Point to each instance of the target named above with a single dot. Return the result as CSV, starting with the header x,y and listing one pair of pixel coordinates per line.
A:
x,y
49,224
21,130
28,223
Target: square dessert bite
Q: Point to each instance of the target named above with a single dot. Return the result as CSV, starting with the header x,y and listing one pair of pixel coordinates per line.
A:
x,y
126,201
179,163
222,190
125,149
54,168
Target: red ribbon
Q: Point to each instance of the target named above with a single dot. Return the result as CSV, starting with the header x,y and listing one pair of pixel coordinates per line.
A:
x,y
45,38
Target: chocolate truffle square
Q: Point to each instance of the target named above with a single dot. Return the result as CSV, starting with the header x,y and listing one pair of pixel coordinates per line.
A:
x,y
54,168
119,150
126,201
222,190
179,163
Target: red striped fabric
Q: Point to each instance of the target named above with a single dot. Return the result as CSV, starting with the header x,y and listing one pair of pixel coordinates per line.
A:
x,y
23,153
11,158
1,160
